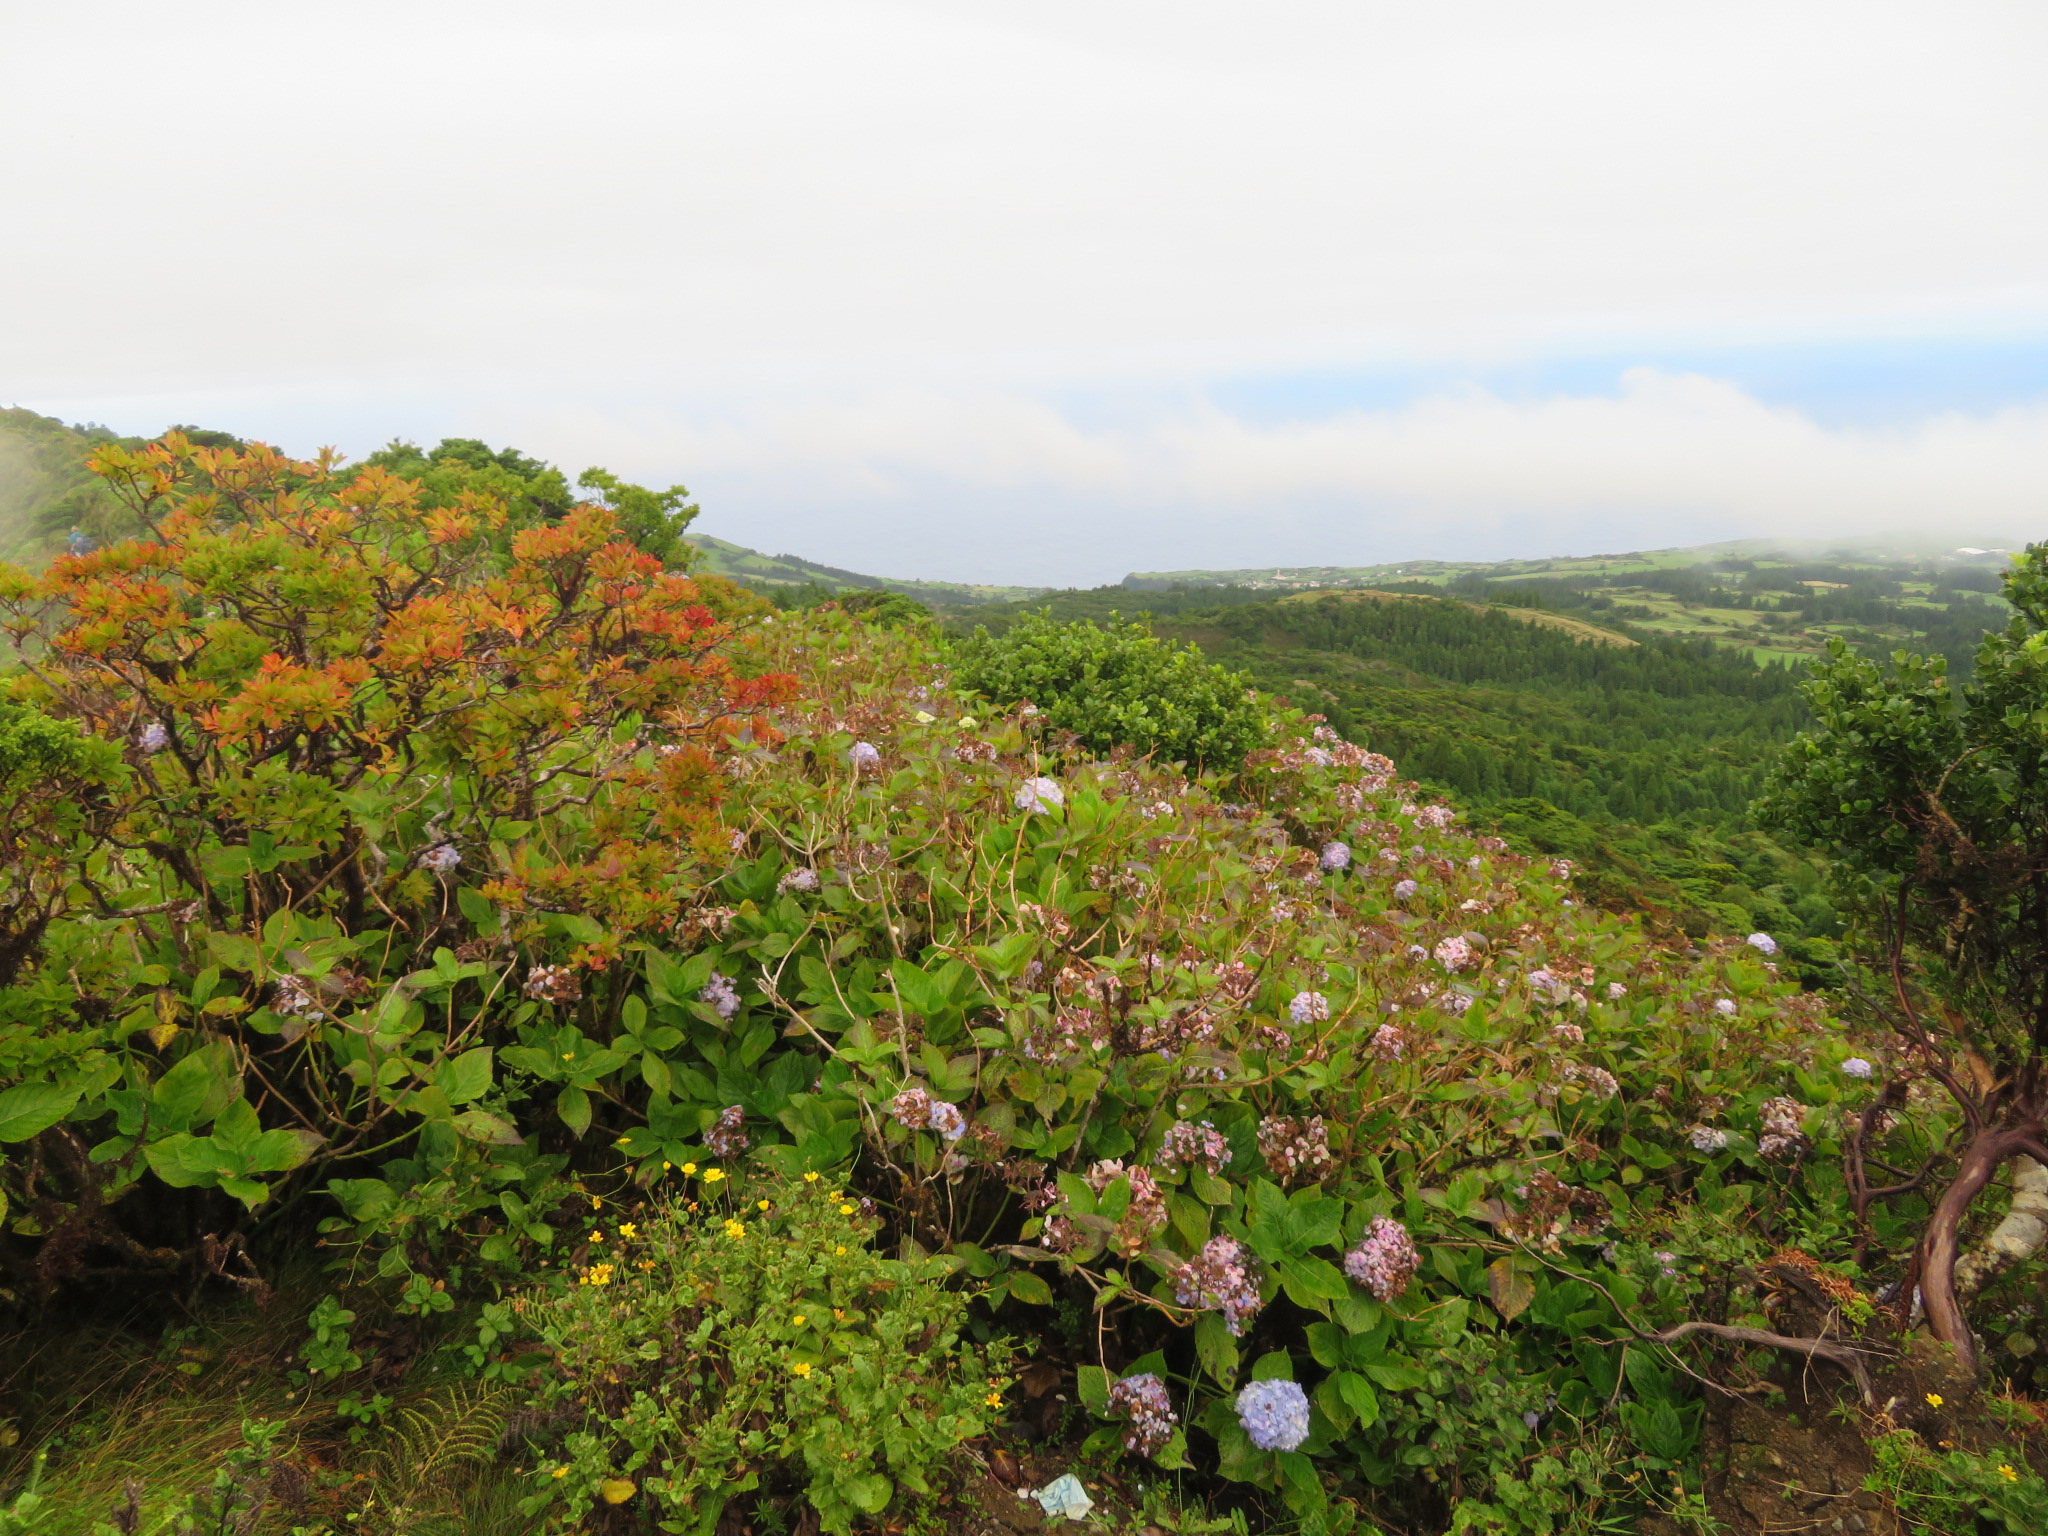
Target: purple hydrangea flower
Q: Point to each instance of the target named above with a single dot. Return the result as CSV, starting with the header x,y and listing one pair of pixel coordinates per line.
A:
x,y
1857,1067
1705,1138
864,755
803,879
154,738
1186,1144
1616,991
727,1139
1403,889
1220,1279
1385,1260
947,1120
1764,943
1274,1414
1724,1005
442,859
1336,856
1142,1399
1040,796
1453,952
1308,1008
720,993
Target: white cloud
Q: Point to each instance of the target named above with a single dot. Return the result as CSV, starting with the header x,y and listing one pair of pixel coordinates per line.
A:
x,y
1001,487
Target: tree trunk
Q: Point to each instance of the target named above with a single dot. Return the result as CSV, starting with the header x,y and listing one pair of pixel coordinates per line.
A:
x,y
1987,1152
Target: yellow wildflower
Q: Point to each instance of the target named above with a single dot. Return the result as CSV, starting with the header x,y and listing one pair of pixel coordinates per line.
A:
x,y
1934,1399
568,1055
762,1204
840,1251
810,1178
798,1321
559,1472
688,1169
994,1399
2007,1473
847,1210
627,1229
838,1313
713,1175
734,1229
667,1166
597,1237
801,1368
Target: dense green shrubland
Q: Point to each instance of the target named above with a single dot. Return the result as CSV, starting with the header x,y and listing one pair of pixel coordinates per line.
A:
x,y
536,923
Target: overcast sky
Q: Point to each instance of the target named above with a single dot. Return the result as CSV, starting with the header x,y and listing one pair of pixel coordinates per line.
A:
x,y
1050,292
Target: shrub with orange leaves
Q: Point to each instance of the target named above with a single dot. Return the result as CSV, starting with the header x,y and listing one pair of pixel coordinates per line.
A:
x,y
378,764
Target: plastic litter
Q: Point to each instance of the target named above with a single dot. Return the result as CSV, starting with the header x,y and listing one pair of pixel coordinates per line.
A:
x,y
1064,1495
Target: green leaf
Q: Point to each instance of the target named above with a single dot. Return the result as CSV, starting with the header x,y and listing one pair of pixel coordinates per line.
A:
x,y
1359,1396
1215,1348
1092,1382
466,1077
480,1125
573,1105
33,1108
1274,1365
237,952
869,1491
1030,1289
197,1088
1510,1286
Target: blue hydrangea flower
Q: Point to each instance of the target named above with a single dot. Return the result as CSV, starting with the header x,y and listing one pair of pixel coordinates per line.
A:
x,y
1274,1414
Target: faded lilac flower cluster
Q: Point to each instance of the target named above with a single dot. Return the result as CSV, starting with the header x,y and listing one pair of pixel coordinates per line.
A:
x,y
1298,1152
1436,816
1453,952
726,1140
1039,796
1308,1008
1274,1414
801,879
720,993
153,738
1598,1080
1187,1144
916,1110
442,858
1385,1260
293,995
1220,1279
553,984
1724,1006
864,755
1782,1136
1568,1034
1335,857
1142,1399
1857,1067
1706,1138
1403,889
1763,942
1389,1042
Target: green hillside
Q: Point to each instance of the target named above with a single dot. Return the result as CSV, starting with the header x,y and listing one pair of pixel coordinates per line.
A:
x,y
45,489
782,575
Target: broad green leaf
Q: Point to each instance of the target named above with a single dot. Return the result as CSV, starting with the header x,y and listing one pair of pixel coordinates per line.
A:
x,y
466,1077
33,1108
573,1105
197,1088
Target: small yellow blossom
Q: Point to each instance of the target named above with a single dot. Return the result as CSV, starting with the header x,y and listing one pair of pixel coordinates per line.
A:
x,y
688,1169
597,1274
597,1237
734,1229
798,1321
568,1055
1934,1399
2007,1473
836,1312
810,1178
667,1166
761,1204
846,1210
713,1175
840,1251
801,1368
994,1399
627,1229
559,1472
597,1202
